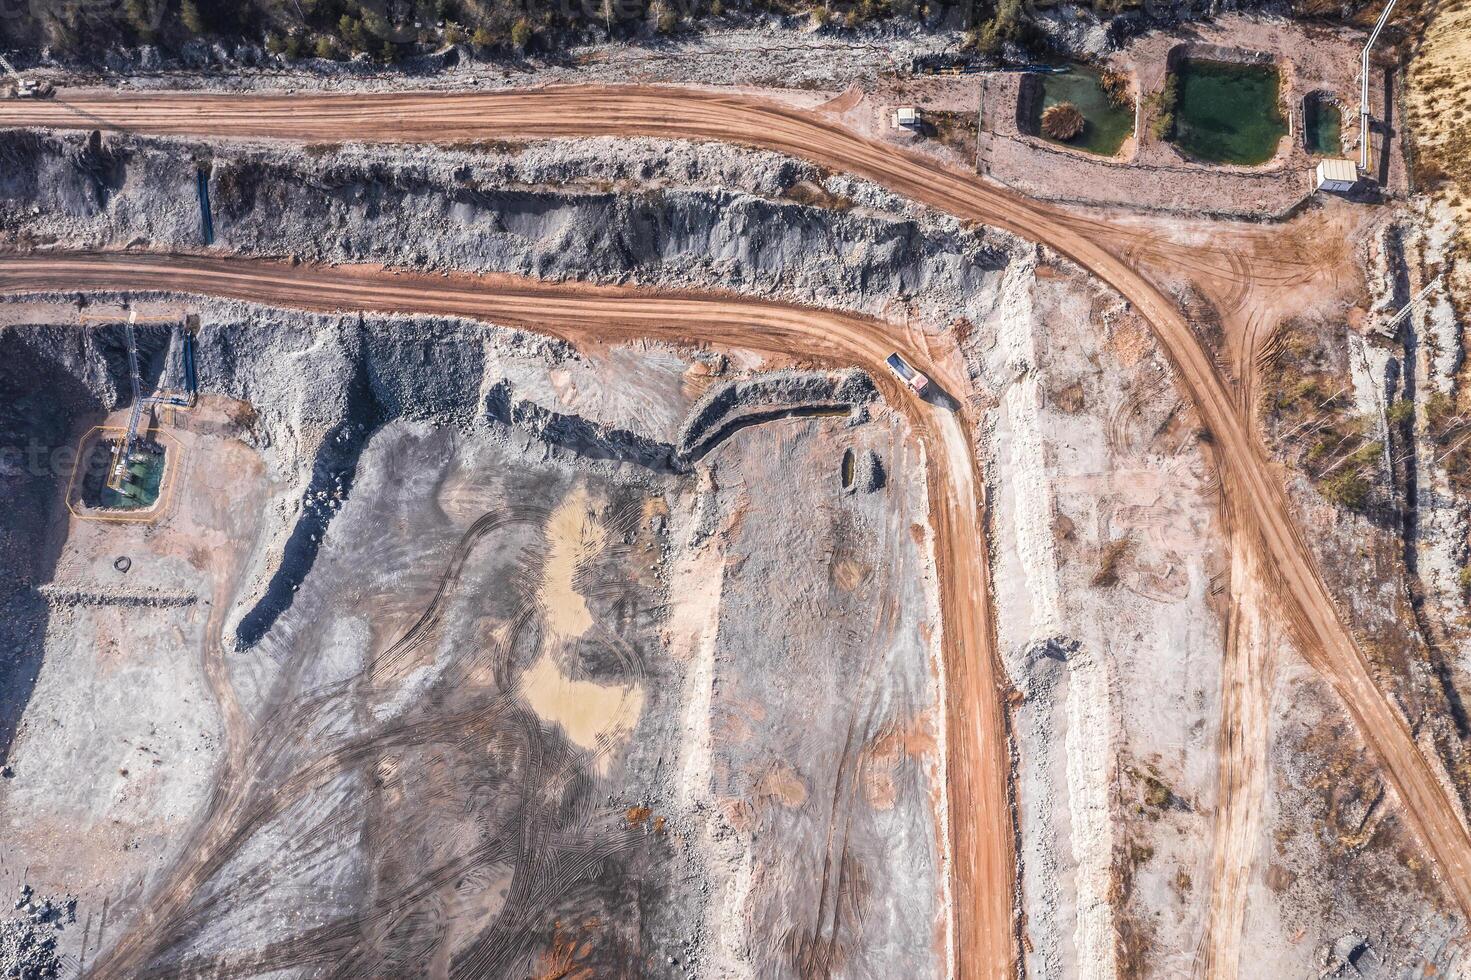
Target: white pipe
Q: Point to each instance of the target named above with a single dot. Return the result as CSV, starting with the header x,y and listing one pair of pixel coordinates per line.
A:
x,y
1364,90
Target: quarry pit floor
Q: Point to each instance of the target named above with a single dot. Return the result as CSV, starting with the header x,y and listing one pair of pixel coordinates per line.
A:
x,y
974,731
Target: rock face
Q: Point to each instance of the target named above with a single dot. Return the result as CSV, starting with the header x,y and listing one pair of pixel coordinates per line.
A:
x,y
493,210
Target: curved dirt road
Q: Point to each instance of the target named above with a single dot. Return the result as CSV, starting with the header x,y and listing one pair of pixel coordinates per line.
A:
x,y
978,753
703,115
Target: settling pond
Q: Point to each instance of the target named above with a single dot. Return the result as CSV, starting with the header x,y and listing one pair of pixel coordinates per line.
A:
x,y
1105,124
1322,124
1228,113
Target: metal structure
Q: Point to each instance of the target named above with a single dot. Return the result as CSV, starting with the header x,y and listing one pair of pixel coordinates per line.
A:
x,y
1364,140
24,87
185,399
1392,324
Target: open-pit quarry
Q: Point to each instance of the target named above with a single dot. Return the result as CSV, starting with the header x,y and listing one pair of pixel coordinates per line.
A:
x,y
477,534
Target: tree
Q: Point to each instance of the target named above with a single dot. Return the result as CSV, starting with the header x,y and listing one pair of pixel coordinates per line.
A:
x,y
350,29
521,33
1063,121
192,18
140,18
325,47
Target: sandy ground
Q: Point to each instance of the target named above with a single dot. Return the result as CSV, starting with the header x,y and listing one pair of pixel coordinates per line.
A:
x,y
125,732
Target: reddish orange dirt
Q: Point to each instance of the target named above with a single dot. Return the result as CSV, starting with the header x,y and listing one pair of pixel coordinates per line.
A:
x,y
983,869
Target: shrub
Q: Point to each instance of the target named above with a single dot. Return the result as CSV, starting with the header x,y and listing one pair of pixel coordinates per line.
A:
x,y
1063,121
1115,85
140,18
1346,489
521,33
1401,412
192,18
454,34
1163,126
350,29
482,38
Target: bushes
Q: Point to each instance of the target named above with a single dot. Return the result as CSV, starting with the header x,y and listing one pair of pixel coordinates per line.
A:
x,y
1163,104
1063,121
192,19
1115,85
1346,489
521,33
1004,26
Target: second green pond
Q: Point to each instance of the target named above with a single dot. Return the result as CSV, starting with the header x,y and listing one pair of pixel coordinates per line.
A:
x,y
1228,113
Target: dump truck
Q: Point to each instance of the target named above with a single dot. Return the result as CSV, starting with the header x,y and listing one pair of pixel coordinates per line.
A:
x,y
906,373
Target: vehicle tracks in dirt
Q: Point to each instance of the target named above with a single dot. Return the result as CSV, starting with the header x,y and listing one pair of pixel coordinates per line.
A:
x,y
983,845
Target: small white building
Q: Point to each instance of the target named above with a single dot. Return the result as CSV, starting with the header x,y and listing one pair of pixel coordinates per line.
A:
x,y
906,117
1337,175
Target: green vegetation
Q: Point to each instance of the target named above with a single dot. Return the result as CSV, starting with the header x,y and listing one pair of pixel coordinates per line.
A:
x,y
1162,107
1106,123
1224,112
388,31
1006,24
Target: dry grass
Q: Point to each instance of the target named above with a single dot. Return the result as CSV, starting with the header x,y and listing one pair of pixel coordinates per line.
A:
x,y
813,195
1437,101
1108,563
1308,409
957,130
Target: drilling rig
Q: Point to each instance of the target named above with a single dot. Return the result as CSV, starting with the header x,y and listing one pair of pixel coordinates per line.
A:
x,y
26,88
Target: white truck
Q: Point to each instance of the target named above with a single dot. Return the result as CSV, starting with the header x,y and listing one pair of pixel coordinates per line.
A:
x,y
907,373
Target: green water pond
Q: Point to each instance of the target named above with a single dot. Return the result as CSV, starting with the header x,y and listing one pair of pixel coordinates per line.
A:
x,y
1105,125
1228,113
1323,126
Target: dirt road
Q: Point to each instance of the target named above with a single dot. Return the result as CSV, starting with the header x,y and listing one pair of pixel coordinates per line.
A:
x,y
979,757
985,926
